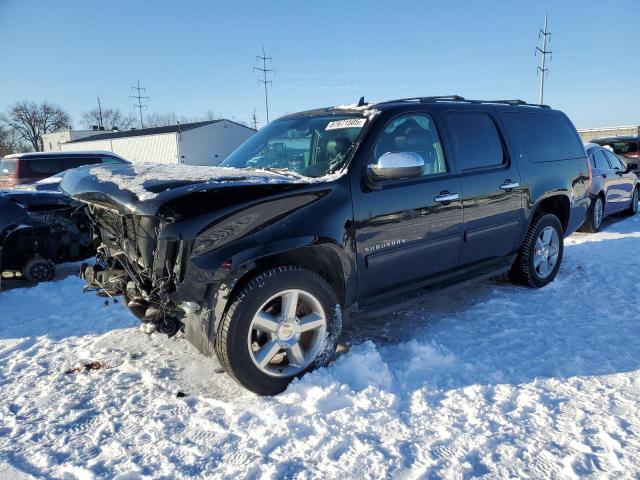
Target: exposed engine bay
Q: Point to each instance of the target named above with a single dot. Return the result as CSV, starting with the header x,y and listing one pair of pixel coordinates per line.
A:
x,y
39,230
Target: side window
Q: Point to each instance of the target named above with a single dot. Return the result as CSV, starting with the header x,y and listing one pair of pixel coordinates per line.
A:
x,y
601,160
45,166
111,160
76,162
414,133
476,140
613,160
545,136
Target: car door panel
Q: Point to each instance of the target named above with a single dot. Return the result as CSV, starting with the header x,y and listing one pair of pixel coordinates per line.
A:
x,y
406,231
491,191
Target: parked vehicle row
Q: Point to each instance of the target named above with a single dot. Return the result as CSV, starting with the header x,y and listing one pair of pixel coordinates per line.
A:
x,y
364,208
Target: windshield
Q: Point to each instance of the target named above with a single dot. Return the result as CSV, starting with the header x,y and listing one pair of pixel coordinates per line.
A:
x,y
313,146
7,166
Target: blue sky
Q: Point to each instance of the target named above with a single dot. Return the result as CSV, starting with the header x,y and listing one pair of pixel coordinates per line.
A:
x,y
195,56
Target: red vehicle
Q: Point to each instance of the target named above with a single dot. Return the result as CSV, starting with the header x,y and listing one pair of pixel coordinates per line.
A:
x,y
26,168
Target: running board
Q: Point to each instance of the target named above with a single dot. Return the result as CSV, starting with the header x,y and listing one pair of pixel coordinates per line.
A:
x,y
421,295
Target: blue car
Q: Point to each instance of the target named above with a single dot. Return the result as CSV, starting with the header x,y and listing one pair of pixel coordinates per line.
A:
x,y
613,187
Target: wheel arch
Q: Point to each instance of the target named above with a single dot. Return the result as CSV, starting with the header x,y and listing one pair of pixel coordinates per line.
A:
x,y
558,204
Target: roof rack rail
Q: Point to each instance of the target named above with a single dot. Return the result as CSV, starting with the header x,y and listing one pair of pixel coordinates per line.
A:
x,y
458,98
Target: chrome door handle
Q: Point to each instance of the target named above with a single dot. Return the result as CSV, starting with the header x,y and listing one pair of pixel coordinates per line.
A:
x,y
447,197
509,185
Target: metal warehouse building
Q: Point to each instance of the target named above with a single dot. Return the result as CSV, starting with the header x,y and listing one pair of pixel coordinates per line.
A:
x,y
200,143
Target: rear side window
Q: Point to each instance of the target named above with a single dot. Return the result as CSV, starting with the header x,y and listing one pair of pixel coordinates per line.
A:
x,y
545,137
45,166
600,160
476,141
76,162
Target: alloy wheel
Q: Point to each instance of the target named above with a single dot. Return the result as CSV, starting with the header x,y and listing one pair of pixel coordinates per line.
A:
x,y
597,213
287,333
546,252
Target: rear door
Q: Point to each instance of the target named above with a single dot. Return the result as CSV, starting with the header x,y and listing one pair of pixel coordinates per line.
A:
x,y
490,181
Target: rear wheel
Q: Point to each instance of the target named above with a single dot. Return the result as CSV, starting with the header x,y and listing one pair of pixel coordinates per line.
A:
x,y
39,270
540,255
593,222
633,208
283,323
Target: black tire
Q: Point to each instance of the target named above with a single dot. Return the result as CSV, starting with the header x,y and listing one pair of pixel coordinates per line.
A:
x,y
633,208
39,270
592,223
230,342
524,270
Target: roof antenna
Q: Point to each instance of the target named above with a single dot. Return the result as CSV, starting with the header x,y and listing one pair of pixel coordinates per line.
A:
x,y
361,103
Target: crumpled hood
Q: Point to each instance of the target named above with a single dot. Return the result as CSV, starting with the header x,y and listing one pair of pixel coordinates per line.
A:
x,y
143,188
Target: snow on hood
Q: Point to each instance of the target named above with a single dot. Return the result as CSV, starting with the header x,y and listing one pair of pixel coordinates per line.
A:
x,y
137,178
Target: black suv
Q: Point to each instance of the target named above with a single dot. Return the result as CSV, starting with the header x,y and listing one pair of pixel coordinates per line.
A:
x,y
335,213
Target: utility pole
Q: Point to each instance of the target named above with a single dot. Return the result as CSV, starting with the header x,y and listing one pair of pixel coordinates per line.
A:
x,y
542,71
100,122
254,120
139,97
264,80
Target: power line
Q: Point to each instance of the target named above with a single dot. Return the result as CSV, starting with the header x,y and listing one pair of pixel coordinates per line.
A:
x,y
264,80
139,97
542,71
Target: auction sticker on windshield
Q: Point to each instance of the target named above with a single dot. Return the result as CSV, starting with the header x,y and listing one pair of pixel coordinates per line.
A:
x,y
346,123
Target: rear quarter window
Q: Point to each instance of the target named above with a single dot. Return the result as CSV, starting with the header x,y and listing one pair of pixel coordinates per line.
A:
x,y
545,137
7,166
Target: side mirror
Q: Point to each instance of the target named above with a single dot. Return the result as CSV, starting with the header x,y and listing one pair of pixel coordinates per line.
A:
x,y
396,165
631,167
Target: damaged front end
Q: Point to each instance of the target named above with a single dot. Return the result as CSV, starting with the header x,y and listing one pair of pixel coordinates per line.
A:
x,y
132,261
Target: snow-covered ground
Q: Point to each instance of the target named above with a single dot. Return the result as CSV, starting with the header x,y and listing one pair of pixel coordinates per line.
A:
x,y
493,380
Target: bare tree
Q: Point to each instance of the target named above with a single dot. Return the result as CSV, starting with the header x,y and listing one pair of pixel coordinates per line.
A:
x,y
171,118
110,118
28,121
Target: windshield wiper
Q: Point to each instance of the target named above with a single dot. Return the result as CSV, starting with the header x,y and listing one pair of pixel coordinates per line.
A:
x,y
282,171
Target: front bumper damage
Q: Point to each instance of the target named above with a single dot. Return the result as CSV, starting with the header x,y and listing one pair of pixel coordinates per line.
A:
x,y
154,275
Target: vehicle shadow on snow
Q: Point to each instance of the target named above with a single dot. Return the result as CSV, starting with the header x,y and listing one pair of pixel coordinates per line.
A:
x,y
582,324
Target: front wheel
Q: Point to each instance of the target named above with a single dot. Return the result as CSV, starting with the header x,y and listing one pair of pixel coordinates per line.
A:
x,y
540,255
283,323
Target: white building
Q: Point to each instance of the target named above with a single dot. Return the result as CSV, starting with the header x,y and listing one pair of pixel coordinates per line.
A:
x,y
200,143
52,141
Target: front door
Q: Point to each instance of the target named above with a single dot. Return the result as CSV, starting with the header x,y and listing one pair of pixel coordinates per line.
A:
x,y
621,183
407,231
490,181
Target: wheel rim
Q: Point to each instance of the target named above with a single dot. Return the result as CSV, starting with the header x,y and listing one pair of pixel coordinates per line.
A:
x,y
597,213
287,333
546,253
40,271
